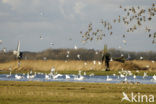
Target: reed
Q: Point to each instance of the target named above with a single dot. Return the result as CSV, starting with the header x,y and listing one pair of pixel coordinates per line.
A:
x,y
60,65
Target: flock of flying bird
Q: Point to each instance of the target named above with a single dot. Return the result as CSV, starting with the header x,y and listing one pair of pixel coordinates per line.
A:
x,y
135,18
54,75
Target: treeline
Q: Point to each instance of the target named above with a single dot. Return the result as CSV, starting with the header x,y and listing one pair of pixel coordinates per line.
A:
x,y
79,54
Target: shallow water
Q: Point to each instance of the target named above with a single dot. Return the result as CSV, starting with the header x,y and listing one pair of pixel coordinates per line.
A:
x,y
93,79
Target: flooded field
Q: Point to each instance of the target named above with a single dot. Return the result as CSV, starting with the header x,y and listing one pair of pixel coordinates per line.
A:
x,y
78,78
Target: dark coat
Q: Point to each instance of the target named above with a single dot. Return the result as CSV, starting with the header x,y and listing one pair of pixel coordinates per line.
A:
x,y
106,57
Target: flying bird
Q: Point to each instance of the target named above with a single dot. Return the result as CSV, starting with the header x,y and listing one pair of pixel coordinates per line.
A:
x,y
75,47
51,44
17,52
41,38
1,41
124,41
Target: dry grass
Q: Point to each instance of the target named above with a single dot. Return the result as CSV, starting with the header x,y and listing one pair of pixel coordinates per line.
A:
x,y
13,92
145,63
41,65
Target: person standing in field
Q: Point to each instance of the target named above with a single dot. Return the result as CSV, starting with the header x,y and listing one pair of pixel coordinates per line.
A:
x,y
106,58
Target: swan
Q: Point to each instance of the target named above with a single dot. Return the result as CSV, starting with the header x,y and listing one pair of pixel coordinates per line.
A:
x,y
32,76
125,79
84,73
67,76
28,76
47,76
57,75
8,75
122,76
114,75
92,74
75,47
154,77
52,69
79,73
94,62
78,56
134,76
153,61
145,75
109,79
18,76
99,63
79,78
141,58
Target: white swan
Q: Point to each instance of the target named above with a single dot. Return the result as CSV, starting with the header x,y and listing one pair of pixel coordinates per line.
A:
x,y
114,75
92,74
125,79
154,77
109,79
18,76
78,78
32,76
122,76
79,73
47,76
67,76
145,75
8,75
134,76
53,70
84,73
28,76
75,47
57,75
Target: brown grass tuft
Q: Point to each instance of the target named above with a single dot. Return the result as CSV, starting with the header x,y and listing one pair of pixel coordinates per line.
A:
x,y
41,65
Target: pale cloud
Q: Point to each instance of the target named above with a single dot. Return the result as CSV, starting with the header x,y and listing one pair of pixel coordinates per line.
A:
x,y
61,7
64,9
4,14
65,18
79,8
13,3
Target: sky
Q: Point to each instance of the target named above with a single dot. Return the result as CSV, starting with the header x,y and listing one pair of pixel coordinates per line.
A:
x,y
56,21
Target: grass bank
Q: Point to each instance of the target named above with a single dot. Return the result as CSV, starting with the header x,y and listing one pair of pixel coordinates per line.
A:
x,y
12,92
72,67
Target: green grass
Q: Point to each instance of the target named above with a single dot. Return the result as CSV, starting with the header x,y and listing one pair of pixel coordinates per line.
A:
x,y
98,72
88,72
14,92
